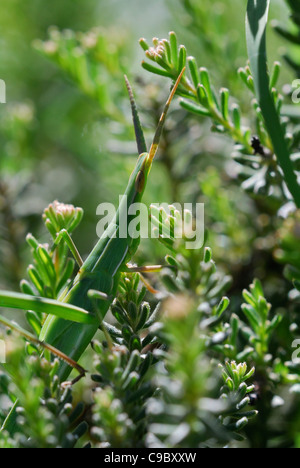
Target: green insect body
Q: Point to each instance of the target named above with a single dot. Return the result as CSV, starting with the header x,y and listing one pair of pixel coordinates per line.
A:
x,y
101,271
75,317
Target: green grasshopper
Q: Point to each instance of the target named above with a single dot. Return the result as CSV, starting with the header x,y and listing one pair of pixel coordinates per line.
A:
x,y
75,317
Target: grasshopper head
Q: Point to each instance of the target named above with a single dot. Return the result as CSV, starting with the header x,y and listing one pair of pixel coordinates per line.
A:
x,y
145,159
160,126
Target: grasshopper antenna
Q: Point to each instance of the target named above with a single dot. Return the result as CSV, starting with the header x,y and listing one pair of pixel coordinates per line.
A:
x,y
162,120
139,135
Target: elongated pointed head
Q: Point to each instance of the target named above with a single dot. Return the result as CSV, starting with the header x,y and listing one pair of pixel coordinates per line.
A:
x,y
160,126
139,135
144,163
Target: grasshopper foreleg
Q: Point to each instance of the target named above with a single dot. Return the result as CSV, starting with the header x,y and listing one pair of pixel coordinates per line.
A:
x,y
63,235
145,269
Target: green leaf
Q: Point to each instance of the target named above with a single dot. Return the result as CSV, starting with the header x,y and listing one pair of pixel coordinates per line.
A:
x,y
202,96
10,423
181,58
245,402
245,78
274,323
205,80
132,365
194,71
224,102
275,75
35,279
236,115
46,263
48,306
241,423
194,108
157,71
144,315
26,288
249,298
174,49
294,38
207,255
256,23
144,44
251,315
34,322
223,305
257,289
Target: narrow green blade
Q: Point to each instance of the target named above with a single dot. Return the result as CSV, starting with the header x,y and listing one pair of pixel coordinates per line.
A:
x,y
256,24
10,423
139,135
48,306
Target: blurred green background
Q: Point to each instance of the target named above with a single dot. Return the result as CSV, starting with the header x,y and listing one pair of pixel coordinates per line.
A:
x,y
60,142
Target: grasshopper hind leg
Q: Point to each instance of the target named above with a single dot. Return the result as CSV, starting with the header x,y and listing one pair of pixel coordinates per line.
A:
x,y
51,349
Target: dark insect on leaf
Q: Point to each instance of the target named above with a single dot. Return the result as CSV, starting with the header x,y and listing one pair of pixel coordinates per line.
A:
x,y
257,146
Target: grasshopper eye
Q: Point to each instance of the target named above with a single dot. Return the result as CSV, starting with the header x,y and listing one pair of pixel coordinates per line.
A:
x,y
140,182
